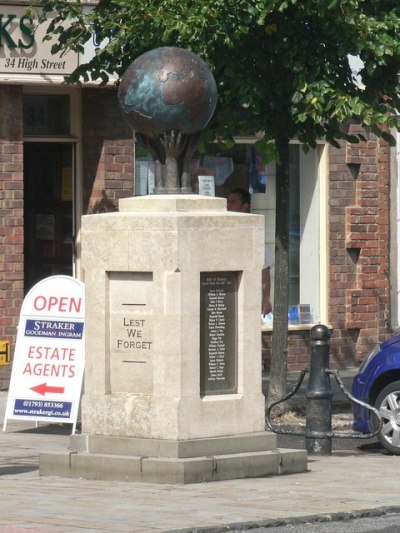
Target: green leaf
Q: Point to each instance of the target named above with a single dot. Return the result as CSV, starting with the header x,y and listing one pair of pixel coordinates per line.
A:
x,y
267,150
268,75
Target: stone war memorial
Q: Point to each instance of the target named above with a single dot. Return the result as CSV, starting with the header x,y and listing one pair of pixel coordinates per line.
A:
x,y
173,297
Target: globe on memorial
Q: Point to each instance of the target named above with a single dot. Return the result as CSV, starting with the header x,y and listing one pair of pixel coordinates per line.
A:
x,y
167,89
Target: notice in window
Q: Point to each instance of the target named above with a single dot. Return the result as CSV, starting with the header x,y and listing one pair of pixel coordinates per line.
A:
x,y
207,185
66,184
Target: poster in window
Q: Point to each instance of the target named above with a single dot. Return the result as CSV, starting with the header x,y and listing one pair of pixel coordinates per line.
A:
x,y
257,173
66,184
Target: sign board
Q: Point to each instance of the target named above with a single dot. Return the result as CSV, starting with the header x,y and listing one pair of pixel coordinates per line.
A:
x,y
48,365
5,353
25,55
22,49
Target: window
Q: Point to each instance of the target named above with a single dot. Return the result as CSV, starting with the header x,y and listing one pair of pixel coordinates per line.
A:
x,y
242,167
46,115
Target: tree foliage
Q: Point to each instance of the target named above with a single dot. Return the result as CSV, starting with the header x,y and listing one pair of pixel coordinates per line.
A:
x,y
281,65
281,68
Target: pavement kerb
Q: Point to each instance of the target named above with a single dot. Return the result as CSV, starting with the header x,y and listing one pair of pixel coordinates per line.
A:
x,y
312,519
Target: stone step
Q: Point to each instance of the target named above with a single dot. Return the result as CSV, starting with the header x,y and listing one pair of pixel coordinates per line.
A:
x,y
173,470
146,447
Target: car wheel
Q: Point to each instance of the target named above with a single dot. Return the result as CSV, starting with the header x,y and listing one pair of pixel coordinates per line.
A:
x,y
388,405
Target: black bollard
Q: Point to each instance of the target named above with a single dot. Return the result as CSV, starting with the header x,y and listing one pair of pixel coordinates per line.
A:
x,y
319,394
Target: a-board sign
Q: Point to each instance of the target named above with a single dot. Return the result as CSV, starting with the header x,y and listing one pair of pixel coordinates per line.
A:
x,y
49,358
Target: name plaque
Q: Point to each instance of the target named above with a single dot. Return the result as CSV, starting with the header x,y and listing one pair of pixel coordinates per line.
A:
x,y
218,333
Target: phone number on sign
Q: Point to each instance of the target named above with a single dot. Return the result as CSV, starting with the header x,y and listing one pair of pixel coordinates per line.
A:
x,y
42,408
40,403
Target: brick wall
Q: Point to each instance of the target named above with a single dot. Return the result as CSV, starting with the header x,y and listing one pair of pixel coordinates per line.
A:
x,y
11,217
359,238
108,152
358,291
298,349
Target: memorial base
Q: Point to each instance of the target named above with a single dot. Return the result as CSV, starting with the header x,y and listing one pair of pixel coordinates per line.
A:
x,y
174,462
173,347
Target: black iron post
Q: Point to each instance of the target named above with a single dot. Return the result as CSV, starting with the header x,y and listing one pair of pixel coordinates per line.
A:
x,y
318,433
319,394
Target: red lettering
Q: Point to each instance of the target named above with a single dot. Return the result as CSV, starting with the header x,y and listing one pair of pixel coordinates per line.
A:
x,y
49,370
31,351
75,305
63,304
50,353
53,303
27,369
39,303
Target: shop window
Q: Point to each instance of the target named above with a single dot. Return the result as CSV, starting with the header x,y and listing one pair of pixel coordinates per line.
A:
x,y
48,211
46,115
242,167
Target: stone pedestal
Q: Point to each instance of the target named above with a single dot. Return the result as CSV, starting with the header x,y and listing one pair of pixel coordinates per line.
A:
x,y
173,350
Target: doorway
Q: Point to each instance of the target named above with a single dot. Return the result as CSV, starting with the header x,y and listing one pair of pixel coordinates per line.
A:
x,y
48,211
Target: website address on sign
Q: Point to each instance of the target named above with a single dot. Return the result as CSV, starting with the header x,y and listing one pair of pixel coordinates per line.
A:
x,y
42,408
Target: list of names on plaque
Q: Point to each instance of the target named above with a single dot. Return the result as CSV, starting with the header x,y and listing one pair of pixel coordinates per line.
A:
x,y
218,350
216,311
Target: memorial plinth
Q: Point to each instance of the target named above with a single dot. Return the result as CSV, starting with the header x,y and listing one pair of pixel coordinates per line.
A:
x,y
173,347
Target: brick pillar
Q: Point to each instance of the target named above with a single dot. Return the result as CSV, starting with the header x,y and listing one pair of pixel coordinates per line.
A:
x,y
359,247
11,217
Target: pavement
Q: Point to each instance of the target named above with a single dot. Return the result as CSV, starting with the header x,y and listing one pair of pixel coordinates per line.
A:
x,y
360,481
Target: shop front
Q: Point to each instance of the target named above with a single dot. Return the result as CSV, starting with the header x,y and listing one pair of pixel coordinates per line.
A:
x,y
64,152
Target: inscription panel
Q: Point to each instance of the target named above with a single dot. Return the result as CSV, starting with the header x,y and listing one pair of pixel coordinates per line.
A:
x,y
131,332
218,333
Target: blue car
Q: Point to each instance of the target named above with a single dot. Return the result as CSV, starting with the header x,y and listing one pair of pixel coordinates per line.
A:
x,y
378,384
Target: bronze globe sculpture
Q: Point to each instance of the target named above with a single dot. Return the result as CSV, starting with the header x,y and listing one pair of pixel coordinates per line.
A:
x,y
168,95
